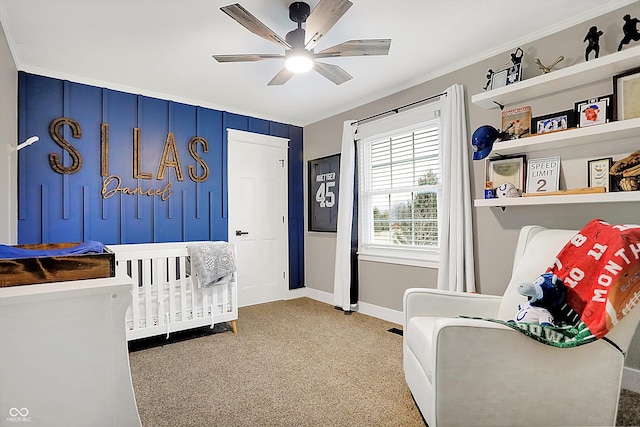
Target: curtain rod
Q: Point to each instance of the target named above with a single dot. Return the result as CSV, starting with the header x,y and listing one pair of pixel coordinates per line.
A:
x,y
397,110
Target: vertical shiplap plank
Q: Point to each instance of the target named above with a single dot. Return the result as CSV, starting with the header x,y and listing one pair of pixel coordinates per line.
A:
x,y
198,185
86,214
211,218
44,213
105,119
22,135
154,223
169,201
138,181
223,175
121,219
184,215
66,132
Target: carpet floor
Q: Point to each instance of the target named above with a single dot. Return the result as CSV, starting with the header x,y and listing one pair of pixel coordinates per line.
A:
x,y
293,363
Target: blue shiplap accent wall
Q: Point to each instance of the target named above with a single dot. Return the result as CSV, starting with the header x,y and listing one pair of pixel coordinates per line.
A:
x,y
54,207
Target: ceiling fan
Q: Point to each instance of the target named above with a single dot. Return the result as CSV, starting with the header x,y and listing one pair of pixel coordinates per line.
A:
x,y
299,43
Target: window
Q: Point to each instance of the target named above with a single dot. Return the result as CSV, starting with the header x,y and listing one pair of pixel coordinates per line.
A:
x,y
399,189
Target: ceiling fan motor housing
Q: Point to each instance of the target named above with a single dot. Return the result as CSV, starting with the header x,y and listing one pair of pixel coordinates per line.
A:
x,y
299,11
296,38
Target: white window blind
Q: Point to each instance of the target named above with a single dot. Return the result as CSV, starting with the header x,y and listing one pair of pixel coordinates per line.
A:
x,y
399,188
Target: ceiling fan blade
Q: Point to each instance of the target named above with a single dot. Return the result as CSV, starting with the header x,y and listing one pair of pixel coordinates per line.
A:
x,y
281,78
322,18
332,72
253,24
245,57
357,48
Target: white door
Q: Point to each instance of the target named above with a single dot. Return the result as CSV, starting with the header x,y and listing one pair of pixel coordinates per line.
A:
x,y
257,182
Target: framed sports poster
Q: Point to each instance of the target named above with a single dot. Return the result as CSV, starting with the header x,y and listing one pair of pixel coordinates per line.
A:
x,y
324,182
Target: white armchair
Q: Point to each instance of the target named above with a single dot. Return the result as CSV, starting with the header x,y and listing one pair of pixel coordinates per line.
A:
x,y
469,372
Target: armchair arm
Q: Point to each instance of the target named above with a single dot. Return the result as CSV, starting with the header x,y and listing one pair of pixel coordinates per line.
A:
x,y
439,303
482,359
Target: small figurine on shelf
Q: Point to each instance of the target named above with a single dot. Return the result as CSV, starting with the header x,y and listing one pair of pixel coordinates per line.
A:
x,y
489,76
544,69
516,57
630,31
593,37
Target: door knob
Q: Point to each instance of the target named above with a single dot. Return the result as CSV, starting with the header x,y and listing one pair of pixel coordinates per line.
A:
x,y
240,233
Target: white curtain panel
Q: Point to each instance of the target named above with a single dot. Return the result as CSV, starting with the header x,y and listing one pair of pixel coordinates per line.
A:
x,y
342,279
456,269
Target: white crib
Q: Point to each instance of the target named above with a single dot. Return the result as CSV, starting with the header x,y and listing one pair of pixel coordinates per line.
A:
x,y
166,297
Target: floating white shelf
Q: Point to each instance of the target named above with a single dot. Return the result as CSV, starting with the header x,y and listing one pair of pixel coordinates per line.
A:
x,y
577,75
622,196
557,81
571,138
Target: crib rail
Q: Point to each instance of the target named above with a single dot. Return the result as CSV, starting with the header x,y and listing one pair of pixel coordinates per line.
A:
x,y
166,297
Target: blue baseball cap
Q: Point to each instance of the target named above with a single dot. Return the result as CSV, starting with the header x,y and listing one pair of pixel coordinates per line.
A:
x,y
482,141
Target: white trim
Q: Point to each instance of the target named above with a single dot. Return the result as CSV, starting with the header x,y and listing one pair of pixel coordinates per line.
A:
x,y
631,379
295,293
318,295
256,138
401,260
405,121
383,313
236,139
8,34
372,310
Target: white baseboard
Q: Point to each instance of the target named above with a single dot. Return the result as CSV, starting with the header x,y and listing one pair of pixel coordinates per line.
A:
x,y
295,293
383,313
372,310
631,379
321,296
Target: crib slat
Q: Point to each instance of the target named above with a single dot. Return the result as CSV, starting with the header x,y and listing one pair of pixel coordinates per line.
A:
x,y
183,287
171,280
158,276
147,278
225,299
195,291
135,292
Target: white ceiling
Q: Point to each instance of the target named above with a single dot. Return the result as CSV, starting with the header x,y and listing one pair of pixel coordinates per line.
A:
x,y
163,48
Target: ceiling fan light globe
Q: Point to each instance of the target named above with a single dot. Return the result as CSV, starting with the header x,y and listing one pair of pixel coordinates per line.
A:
x,y
299,62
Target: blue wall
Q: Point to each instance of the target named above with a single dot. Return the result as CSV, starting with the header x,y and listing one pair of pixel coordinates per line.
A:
x,y
64,207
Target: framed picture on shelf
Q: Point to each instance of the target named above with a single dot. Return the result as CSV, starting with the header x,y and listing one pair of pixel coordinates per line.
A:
x,y
507,76
598,173
517,122
507,169
514,74
561,120
626,95
499,79
594,111
543,175
324,180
